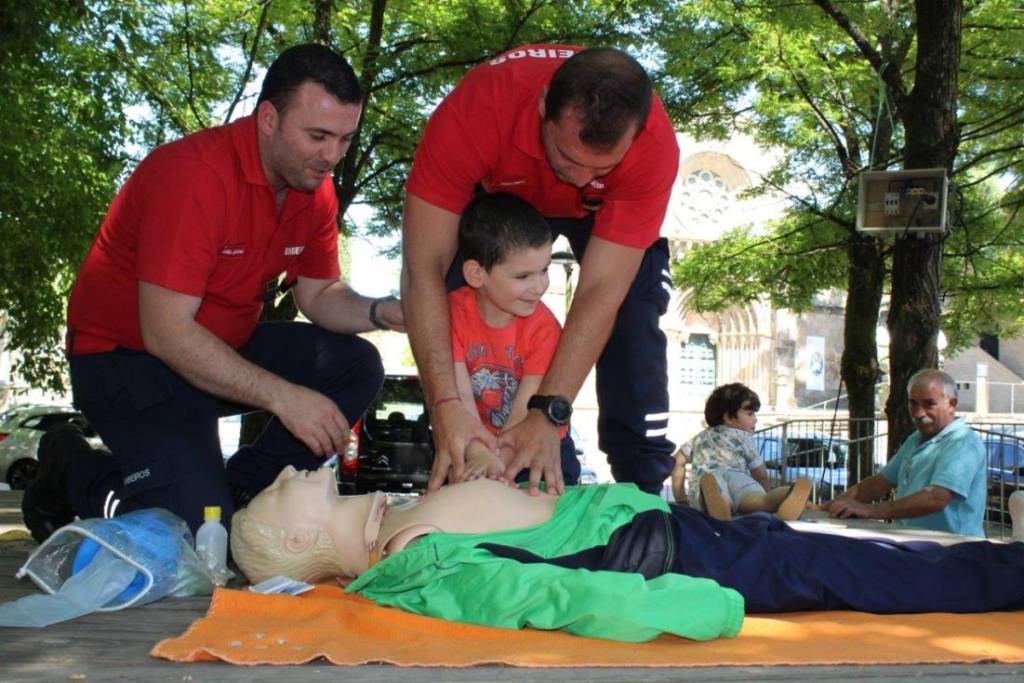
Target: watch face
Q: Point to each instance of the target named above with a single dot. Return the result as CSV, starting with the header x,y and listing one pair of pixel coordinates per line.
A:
x,y
560,410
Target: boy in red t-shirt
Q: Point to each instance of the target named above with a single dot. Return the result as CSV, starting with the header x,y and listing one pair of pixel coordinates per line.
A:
x,y
503,336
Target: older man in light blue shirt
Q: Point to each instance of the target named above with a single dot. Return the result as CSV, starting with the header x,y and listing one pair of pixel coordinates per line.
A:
x,y
939,472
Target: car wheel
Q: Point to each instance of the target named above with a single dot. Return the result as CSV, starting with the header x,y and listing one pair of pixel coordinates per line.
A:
x,y
22,473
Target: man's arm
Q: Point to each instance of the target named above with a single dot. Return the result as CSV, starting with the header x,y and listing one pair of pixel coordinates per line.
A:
x,y
924,502
464,388
860,497
171,333
606,273
429,243
334,306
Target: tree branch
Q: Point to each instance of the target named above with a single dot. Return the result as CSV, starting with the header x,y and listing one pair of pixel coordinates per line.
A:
x,y
261,25
892,77
190,95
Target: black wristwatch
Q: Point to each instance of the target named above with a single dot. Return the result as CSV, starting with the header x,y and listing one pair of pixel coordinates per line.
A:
x,y
558,409
377,322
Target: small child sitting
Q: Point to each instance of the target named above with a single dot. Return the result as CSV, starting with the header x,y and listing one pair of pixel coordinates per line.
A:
x,y
503,336
727,476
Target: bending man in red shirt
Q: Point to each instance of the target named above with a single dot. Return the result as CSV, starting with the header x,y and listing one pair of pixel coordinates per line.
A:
x,y
162,322
581,136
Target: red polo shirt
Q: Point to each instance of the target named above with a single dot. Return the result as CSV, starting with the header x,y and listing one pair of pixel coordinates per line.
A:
x,y
198,217
488,131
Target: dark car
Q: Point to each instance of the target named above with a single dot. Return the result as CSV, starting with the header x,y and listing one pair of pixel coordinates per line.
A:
x,y
1005,452
812,455
392,448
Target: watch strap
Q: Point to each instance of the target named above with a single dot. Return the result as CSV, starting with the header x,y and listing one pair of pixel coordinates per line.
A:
x,y
377,322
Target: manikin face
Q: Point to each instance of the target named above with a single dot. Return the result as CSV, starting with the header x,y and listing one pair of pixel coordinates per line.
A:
x,y
512,288
930,409
304,503
745,419
302,145
297,497
572,161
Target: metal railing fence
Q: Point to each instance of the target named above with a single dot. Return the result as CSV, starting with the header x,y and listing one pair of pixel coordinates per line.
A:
x,y
827,453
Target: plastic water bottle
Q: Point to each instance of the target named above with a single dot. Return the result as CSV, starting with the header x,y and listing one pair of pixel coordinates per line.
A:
x,y
212,543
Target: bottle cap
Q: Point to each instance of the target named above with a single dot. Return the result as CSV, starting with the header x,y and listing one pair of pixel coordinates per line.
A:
x,y
211,512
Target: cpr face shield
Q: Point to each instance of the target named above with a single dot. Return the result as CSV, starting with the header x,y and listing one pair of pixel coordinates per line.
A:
x,y
109,564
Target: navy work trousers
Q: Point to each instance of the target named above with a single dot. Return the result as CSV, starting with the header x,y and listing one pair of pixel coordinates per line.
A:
x,y
162,431
778,569
632,371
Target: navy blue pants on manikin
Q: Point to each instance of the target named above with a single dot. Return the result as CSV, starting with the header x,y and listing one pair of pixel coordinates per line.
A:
x,y
162,431
778,569
632,371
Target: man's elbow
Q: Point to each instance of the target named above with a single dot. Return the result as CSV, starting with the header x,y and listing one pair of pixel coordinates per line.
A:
x,y
935,499
940,497
157,340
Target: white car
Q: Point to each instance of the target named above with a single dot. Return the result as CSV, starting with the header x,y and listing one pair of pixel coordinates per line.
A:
x,y
21,428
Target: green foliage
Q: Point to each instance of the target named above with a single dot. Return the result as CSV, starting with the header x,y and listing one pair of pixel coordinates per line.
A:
x,y
789,264
58,167
788,75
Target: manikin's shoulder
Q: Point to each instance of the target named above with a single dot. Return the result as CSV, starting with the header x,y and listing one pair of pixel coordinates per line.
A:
x,y
480,506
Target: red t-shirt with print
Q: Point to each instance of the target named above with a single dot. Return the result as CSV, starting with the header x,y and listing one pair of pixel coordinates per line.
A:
x,y
497,358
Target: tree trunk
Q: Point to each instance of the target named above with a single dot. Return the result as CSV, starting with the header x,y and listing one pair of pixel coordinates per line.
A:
x,y
932,138
859,365
322,13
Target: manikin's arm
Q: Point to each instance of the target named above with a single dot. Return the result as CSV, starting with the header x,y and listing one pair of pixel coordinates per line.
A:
x,y
429,243
601,604
606,273
171,333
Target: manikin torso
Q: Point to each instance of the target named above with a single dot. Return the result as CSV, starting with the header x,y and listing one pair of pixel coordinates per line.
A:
x,y
477,506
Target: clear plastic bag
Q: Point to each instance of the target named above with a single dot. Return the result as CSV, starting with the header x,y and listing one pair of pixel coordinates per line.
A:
x,y
155,543
103,579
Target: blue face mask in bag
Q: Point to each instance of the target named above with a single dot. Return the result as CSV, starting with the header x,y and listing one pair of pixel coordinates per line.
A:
x,y
146,555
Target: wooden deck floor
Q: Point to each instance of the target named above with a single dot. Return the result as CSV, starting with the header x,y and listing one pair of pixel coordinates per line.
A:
x,y
115,647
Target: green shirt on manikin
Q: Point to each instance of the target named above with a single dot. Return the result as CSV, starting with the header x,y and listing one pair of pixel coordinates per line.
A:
x,y
448,576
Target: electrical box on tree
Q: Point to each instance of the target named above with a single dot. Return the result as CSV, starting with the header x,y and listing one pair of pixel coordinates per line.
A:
x,y
912,201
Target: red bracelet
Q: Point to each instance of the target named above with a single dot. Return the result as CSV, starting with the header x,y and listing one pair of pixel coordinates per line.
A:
x,y
443,400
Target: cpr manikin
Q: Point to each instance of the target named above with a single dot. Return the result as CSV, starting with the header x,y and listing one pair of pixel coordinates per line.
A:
x,y
606,561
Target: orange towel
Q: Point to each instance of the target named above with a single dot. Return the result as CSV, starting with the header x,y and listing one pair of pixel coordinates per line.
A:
x,y
242,627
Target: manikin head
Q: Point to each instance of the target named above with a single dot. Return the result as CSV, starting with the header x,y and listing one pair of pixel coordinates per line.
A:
x,y
301,528
306,116
931,399
593,109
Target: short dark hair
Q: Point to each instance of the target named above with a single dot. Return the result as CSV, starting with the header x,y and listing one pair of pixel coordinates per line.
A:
x,y
609,89
309,62
495,224
728,399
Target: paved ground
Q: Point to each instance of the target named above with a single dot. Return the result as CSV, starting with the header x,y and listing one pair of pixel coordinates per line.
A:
x,y
115,647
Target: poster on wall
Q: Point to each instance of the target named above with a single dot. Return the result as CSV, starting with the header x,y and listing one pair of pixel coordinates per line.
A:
x,y
815,380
